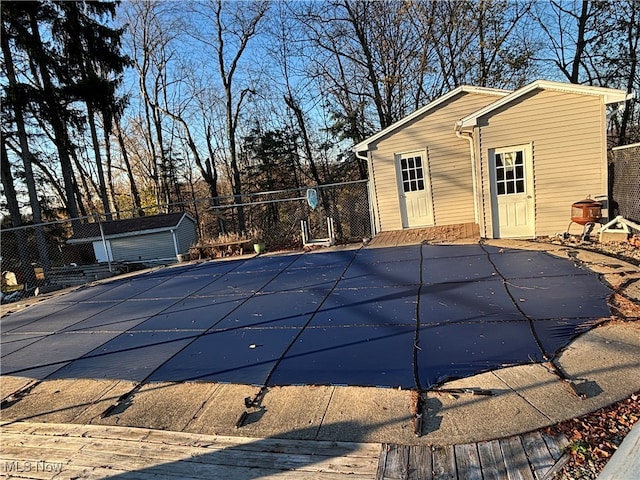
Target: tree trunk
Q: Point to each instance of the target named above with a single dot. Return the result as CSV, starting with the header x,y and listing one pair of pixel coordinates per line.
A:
x,y
633,36
164,182
104,197
245,31
16,217
580,42
25,152
9,187
360,29
55,119
236,184
297,111
113,202
137,204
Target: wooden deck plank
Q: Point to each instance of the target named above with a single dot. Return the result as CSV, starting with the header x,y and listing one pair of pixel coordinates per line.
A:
x,y
97,451
556,444
180,471
23,454
173,471
468,461
320,447
77,430
27,467
382,460
396,465
212,468
40,448
538,454
491,460
420,463
166,455
444,463
86,460
515,459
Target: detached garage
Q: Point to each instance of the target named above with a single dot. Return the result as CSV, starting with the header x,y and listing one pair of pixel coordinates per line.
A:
x,y
157,237
510,162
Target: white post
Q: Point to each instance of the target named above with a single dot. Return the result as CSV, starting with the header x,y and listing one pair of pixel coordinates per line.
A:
x,y
303,227
175,244
332,238
107,252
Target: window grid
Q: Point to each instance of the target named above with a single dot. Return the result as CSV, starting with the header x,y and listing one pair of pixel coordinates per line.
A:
x,y
510,174
412,174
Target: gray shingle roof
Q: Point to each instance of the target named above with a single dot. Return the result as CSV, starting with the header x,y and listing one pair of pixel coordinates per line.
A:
x,y
91,231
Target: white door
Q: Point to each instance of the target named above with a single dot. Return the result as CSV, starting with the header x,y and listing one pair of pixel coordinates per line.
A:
x,y
513,204
415,197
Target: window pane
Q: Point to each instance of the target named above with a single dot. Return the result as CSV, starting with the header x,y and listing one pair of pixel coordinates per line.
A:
x,y
418,162
519,158
500,174
412,174
519,171
419,173
411,162
405,187
414,187
510,187
508,160
499,160
509,174
501,189
420,184
520,186
405,176
403,163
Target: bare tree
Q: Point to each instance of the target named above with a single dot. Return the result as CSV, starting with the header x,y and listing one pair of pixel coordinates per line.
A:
x,y
152,36
615,59
596,43
571,31
369,50
135,193
230,27
15,101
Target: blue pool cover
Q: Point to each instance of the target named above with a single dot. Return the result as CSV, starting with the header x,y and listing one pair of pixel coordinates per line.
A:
x,y
408,317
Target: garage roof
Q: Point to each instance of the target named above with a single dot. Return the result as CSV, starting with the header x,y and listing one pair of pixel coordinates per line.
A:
x,y
127,227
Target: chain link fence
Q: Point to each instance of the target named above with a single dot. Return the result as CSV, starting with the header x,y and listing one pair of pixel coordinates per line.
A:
x,y
624,173
71,252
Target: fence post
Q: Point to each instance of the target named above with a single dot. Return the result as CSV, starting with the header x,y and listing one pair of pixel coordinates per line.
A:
x,y
372,222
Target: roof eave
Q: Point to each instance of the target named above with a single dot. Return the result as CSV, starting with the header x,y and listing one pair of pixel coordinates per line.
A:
x,y
364,145
466,125
609,95
134,233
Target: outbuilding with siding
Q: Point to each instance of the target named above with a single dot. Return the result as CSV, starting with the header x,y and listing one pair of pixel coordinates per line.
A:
x,y
150,238
511,162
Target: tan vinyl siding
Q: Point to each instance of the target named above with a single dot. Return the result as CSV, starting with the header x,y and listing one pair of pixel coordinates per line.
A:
x,y
569,151
449,163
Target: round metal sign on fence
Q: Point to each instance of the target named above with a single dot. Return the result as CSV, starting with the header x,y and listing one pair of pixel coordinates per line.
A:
x,y
312,198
